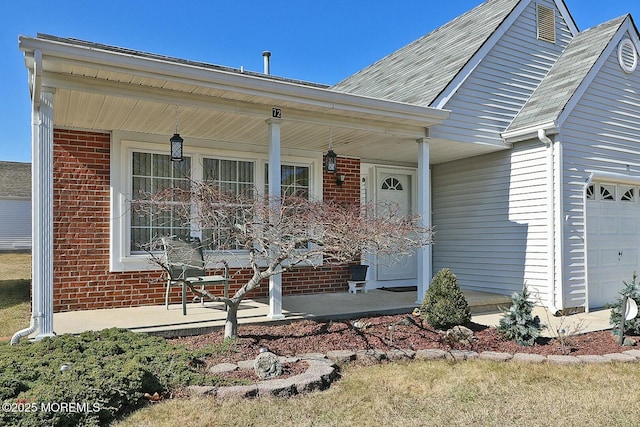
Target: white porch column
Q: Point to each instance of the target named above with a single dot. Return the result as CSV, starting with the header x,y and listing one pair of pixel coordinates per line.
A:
x,y
424,210
275,184
42,212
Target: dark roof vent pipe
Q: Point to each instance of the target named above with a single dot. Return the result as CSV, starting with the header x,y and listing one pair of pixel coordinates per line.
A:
x,y
267,64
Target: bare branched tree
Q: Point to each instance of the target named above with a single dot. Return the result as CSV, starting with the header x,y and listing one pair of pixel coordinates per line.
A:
x,y
282,233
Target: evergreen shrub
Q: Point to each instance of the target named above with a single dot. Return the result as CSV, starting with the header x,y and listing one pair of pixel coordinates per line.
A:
x,y
517,323
632,326
90,379
444,305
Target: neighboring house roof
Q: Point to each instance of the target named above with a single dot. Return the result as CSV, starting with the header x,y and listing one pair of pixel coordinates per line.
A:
x,y
420,71
15,180
549,100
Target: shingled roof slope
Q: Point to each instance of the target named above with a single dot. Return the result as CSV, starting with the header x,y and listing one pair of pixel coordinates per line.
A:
x,y
15,179
420,71
552,95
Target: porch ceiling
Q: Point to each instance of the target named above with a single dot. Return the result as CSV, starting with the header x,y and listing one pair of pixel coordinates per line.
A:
x,y
102,89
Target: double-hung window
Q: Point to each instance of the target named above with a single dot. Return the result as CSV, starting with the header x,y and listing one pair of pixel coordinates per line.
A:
x,y
238,178
153,173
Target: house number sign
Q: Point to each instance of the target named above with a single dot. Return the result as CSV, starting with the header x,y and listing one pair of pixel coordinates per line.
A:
x,y
276,113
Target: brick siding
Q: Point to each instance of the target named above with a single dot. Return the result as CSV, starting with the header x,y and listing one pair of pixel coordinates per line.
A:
x,y
82,280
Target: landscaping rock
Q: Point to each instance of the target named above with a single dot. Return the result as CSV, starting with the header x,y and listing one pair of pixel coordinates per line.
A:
x,y
458,355
394,355
495,356
313,356
634,353
307,383
528,358
267,365
341,356
460,335
431,354
370,356
237,392
278,388
620,357
246,364
200,390
563,360
593,359
222,368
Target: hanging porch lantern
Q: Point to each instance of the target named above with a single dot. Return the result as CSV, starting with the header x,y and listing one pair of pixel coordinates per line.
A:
x,y
176,148
330,161
176,143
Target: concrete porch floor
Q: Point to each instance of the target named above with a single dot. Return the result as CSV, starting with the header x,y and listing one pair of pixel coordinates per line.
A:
x,y
199,320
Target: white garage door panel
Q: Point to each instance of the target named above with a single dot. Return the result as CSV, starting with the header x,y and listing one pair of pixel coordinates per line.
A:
x,y
613,240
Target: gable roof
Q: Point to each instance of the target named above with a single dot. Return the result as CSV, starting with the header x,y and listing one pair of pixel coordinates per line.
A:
x,y
15,180
553,94
420,71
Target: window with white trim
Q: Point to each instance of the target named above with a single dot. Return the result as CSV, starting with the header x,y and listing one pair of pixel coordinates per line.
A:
x,y
239,170
152,172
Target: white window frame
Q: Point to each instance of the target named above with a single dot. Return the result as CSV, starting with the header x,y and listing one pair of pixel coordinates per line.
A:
x,y
124,144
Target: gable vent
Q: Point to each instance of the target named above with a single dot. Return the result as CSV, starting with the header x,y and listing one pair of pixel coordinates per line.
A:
x,y
546,24
627,56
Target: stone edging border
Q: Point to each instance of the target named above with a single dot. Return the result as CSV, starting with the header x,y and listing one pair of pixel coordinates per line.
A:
x,y
323,368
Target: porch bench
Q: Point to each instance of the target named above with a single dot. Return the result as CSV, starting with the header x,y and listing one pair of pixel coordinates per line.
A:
x,y
185,262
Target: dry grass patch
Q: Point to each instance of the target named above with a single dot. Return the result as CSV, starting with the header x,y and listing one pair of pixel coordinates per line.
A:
x,y
15,288
433,393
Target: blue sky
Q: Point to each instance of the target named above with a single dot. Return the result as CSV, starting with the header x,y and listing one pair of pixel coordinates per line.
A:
x,y
318,41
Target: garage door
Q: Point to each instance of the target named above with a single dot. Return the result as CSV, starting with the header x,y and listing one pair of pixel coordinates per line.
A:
x,y
613,238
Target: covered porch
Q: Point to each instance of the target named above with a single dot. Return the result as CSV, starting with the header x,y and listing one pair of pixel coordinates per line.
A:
x,y
137,100
199,320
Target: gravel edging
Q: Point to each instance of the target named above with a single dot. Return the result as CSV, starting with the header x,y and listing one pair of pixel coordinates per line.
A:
x,y
324,368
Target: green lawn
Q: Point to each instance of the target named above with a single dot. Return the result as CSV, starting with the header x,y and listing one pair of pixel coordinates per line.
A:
x,y
15,289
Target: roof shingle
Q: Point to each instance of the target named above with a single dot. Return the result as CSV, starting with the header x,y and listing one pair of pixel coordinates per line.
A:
x,y
552,95
420,71
15,179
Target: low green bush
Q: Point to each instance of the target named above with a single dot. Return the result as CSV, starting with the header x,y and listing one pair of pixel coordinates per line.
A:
x,y
444,305
632,326
92,378
517,323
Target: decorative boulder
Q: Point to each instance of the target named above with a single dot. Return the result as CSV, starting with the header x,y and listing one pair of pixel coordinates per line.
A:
x,y
460,335
267,365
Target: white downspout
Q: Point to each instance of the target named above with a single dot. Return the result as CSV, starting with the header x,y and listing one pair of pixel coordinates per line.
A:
x,y
551,210
36,297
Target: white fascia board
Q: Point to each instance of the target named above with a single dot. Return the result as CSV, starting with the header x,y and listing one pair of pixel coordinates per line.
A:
x,y
568,18
530,132
242,83
613,177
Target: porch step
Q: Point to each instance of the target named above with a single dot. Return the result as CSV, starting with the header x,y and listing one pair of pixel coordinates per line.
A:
x,y
484,302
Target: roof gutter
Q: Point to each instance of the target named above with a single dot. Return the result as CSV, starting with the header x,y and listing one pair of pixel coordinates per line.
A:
x,y
307,96
531,132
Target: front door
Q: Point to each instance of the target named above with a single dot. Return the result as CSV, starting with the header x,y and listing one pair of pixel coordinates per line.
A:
x,y
396,186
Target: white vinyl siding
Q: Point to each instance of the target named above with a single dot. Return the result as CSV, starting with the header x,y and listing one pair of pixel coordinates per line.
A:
x,y
15,224
499,86
489,214
601,133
